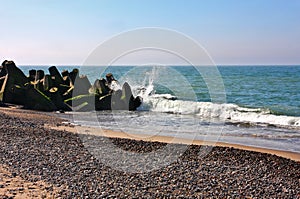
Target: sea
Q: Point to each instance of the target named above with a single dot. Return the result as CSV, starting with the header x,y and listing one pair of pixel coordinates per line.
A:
x,y
249,105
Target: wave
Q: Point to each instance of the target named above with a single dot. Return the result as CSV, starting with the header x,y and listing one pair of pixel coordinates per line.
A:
x,y
230,113
224,112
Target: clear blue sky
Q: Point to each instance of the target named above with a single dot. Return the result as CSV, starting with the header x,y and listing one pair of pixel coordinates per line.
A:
x,y
232,31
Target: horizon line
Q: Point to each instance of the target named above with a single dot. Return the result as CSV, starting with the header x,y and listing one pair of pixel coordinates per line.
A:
x,y
46,65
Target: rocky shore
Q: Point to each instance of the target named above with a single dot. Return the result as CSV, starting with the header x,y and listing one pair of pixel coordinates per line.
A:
x,y
59,159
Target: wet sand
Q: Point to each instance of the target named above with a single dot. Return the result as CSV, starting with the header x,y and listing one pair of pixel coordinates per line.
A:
x,y
56,157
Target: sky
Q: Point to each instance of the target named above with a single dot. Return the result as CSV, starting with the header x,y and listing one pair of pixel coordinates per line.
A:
x,y
65,32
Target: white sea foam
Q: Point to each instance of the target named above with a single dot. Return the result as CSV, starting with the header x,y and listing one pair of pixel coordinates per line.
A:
x,y
224,112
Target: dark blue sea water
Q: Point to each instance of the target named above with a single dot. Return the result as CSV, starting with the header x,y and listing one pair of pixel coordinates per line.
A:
x,y
275,88
250,105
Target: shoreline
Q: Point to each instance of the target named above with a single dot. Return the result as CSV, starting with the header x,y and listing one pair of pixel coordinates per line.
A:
x,y
65,125
167,139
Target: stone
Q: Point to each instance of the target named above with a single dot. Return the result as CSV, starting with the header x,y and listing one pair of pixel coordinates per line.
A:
x,y
72,75
36,100
14,82
65,76
55,75
65,91
81,102
81,85
57,99
40,74
104,102
32,74
48,83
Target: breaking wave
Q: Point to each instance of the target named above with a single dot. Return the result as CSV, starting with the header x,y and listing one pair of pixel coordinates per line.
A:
x,y
232,113
225,112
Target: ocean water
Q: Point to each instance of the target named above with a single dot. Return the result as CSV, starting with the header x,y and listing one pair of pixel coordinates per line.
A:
x,y
249,105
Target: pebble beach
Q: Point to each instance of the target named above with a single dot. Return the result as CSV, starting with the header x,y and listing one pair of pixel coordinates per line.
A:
x,y
39,162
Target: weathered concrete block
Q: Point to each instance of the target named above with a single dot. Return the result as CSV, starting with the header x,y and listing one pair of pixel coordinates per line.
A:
x,y
82,85
65,76
40,74
73,75
36,100
57,99
82,102
100,87
55,75
32,74
15,78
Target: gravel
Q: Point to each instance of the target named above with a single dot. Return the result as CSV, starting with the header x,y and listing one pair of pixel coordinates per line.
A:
x,y
61,159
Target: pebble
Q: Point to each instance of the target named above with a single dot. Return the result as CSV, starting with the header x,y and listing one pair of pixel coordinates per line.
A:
x,y
60,159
